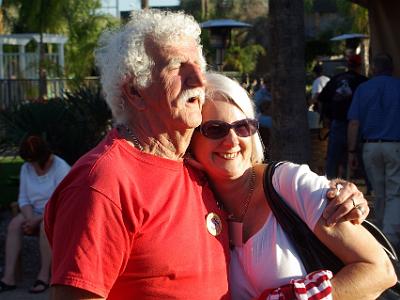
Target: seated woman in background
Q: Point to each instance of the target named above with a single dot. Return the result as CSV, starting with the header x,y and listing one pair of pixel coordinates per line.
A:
x,y
39,176
230,151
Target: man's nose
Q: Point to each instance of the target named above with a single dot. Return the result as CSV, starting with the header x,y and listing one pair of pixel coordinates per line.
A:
x,y
195,76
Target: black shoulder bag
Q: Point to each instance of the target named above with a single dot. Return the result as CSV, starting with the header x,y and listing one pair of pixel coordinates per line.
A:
x,y
313,253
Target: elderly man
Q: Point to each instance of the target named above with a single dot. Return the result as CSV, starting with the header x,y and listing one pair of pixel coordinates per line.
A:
x,y
132,220
133,190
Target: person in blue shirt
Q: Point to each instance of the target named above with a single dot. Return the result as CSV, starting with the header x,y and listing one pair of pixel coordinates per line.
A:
x,y
374,113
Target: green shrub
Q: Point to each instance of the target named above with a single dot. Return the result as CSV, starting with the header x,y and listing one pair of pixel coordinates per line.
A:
x,y
9,179
72,125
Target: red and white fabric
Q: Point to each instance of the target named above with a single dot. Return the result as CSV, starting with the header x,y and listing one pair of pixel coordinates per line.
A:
x,y
315,286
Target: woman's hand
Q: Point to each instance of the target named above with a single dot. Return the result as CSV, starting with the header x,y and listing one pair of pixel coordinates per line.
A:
x,y
346,203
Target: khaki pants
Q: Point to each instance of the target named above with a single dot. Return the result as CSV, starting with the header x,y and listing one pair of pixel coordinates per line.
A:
x,y
382,165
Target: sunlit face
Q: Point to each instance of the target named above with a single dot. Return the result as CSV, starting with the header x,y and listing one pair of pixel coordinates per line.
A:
x,y
227,157
176,94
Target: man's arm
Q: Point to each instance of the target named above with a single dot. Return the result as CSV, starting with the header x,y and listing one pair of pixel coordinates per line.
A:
x,y
352,136
65,292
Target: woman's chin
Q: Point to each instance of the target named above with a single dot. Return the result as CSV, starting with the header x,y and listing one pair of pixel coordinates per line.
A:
x,y
228,172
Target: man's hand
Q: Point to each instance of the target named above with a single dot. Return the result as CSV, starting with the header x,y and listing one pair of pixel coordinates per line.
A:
x,y
346,203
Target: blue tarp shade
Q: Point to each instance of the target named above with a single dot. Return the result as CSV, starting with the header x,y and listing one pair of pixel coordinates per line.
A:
x,y
224,23
349,36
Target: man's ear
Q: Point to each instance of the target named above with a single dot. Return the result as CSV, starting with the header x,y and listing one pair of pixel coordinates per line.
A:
x,y
132,95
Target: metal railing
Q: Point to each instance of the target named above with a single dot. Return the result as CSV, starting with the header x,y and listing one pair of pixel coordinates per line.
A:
x,y
17,91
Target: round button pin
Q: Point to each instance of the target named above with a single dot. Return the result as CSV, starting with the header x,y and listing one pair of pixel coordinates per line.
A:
x,y
214,224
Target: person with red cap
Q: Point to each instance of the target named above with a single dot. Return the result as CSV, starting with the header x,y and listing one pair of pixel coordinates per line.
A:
x,y
335,100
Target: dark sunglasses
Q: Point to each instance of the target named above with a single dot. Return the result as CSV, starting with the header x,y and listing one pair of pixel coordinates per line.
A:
x,y
216,129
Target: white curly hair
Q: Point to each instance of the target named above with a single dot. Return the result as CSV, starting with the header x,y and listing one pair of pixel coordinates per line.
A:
x,y
121,54
233,92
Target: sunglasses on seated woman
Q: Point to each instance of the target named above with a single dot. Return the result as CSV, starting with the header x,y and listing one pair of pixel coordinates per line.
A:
x,y
216,129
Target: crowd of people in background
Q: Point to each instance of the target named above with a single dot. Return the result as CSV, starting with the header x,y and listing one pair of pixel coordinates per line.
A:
x,y
364,136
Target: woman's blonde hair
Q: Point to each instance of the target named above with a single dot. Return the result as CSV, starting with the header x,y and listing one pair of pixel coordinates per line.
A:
x,y
232,91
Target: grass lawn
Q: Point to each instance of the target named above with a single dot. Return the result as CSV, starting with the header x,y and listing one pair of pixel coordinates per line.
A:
x,y
9,174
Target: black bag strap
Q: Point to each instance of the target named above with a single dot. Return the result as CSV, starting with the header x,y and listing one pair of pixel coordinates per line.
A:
x,y
313,253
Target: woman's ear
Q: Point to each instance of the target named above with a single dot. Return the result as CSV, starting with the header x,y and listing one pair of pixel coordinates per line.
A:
x,y
132,95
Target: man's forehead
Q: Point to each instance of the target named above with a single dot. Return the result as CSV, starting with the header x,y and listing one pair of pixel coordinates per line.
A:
x,y
180,52
171,44
183,46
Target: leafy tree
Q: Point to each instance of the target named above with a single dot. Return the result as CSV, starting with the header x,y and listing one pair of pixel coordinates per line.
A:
x,y
243,59
81,21
247,10
84,25
1,22
72,125
243,53
357,15
350,18
42,16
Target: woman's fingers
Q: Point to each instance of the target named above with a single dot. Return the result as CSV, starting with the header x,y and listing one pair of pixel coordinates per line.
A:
x,y
348,212
347,203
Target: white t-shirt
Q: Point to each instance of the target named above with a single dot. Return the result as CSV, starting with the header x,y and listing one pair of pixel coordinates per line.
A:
x,y
267,259
36,190
318,84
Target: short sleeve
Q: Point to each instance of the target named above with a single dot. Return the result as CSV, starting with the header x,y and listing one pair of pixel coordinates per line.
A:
x,y
90,243
23,199
303,190
62,170
315,87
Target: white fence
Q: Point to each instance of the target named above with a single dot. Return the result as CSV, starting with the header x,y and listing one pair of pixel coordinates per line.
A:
x,y
17,91
26,65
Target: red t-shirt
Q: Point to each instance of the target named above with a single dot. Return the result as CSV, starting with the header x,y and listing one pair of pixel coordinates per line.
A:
x,y
125,224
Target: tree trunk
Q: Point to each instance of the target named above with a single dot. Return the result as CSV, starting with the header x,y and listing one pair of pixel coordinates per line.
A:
x,y
145,4
204,9
290,136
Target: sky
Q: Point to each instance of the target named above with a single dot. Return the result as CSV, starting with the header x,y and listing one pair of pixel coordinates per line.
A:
x,y
124,5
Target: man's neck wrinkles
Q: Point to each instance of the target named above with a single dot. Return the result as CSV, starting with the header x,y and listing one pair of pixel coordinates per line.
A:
x,y
167,145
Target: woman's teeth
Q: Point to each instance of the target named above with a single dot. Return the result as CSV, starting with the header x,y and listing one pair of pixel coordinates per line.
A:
x,y
229,155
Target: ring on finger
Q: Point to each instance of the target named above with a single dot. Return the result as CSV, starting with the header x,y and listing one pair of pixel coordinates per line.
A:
x,y
361,209
354,203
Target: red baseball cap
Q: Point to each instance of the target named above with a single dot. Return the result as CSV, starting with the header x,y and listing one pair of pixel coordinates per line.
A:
x,y
354,60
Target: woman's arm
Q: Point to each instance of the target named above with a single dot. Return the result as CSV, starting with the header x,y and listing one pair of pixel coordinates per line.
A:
x,y
367,271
